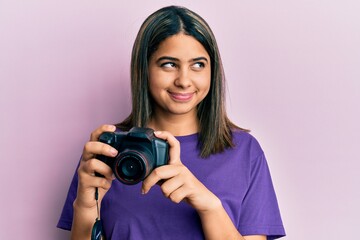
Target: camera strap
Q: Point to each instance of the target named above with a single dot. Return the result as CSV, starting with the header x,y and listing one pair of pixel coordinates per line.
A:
x,y
96,232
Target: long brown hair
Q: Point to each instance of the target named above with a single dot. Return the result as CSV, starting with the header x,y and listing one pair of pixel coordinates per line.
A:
x,y
215,127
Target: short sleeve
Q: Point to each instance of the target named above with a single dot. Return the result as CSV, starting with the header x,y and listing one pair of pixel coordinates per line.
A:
x,y
260,214
66,217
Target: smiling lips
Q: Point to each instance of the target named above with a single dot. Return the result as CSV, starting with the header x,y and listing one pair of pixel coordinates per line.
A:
x,y
181,97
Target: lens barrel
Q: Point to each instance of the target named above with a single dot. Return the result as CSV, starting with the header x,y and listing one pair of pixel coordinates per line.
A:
x,y
132,166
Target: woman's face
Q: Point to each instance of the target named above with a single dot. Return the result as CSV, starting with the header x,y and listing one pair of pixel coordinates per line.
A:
x,y
179,75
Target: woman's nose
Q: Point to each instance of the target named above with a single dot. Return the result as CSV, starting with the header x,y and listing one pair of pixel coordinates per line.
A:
x,y
183,79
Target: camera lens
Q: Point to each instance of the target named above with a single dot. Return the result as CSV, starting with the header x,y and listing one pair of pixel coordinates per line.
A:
x,y
130,168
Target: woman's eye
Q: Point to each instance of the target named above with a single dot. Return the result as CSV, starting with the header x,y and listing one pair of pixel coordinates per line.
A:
x,y
199,65
168,65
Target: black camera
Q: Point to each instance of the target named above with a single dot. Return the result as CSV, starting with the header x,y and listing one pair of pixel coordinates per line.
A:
x,y
139,152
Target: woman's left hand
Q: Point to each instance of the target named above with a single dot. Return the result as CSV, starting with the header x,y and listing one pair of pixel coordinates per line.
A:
x,y
177,182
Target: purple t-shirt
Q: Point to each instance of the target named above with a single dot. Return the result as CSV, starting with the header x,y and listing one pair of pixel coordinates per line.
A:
x,y
239,176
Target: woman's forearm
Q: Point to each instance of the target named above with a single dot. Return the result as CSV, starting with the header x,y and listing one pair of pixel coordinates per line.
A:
x,y
83,222
217,224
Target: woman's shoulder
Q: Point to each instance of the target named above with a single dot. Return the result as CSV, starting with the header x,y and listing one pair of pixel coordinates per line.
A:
x,y
245,140
243,135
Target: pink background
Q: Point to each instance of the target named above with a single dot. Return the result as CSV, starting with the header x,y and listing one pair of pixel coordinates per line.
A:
x,y
293,75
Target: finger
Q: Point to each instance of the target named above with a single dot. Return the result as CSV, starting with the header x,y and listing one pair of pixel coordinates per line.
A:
x,y
88,182
171,185
98,148
93,166
104,128
178,195
160,173
174,150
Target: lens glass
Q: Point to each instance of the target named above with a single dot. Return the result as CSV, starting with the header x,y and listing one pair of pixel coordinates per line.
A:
x,y
131,168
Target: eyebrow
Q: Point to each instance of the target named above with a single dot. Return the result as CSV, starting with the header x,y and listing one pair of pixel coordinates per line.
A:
x,y
177,60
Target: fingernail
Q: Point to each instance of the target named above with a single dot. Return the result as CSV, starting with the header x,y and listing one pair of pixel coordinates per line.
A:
x,y
157,132
113,151
142,191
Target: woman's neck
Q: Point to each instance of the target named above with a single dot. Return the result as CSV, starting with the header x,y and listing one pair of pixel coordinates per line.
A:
x,y
178,125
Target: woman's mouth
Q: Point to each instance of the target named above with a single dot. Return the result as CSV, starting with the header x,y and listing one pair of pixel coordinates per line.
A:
x,y
181,97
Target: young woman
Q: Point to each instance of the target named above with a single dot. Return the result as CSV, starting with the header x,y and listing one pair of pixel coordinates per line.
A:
x,y
217,183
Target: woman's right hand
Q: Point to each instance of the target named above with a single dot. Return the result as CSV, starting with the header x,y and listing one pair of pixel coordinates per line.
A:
x,y
89,165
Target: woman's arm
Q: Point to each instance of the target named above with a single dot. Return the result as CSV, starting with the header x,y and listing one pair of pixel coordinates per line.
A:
x,y
85,209
217,224
179,184
83,220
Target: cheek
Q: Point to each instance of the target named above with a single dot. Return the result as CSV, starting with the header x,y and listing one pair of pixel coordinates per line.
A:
x,y
156,77
153,88
155,84
203,82
205,87
153,80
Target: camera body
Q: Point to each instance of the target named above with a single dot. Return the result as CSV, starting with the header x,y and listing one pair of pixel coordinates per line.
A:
x,y
139,152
